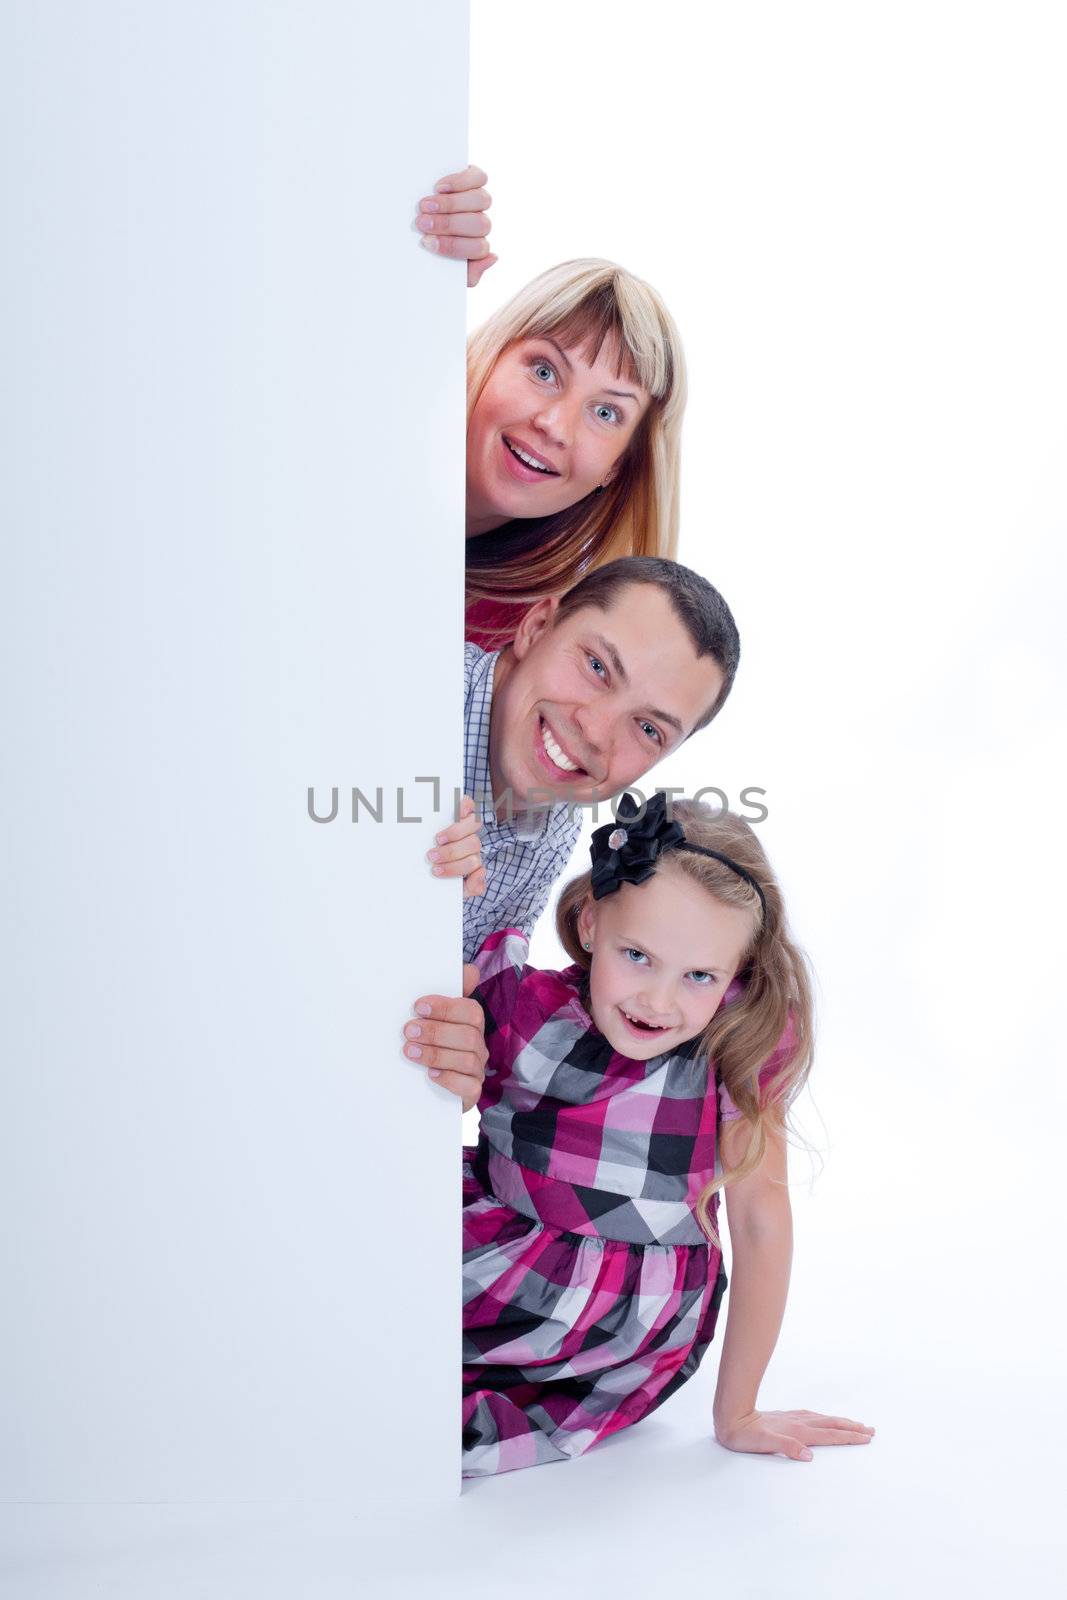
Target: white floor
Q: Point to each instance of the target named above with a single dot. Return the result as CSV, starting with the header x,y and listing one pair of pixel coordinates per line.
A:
x,y
958,1492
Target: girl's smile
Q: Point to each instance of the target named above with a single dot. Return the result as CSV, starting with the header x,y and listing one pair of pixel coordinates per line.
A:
x,y
642,1030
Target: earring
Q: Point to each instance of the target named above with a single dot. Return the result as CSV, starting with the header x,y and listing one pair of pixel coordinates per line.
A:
x,y
586,945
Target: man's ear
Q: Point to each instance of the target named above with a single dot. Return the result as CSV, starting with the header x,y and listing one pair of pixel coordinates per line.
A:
x,y
534,622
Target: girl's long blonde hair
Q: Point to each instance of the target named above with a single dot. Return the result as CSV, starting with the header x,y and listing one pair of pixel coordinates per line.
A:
x,y
588,303
772,1017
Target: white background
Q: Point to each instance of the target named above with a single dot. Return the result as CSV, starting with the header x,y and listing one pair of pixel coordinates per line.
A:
x,y
227,1271
855,213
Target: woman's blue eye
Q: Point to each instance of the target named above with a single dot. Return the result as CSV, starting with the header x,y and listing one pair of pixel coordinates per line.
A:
x,y
543,366
612,414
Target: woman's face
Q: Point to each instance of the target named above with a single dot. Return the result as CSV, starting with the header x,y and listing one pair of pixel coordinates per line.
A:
x,y
548,429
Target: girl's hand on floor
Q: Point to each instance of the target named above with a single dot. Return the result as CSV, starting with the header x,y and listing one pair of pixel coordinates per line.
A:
x,y
453,221
447,1037
789,1433
457,852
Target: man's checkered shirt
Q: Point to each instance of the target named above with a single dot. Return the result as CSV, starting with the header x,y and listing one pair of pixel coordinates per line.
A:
x,y
523,857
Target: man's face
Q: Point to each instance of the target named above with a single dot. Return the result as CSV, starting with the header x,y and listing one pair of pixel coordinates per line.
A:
x,y
584,709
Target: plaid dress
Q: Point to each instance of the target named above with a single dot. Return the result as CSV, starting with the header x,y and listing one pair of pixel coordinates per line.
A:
x,y
590,1291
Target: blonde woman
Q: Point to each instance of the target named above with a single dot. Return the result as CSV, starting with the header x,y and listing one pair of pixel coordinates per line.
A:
x,y
576,390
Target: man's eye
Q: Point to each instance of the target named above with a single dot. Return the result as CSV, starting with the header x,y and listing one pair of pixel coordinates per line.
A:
x,y
654,731
598,663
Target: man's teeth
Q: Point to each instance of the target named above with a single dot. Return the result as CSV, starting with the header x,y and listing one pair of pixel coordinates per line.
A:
x,y
538,466
555,753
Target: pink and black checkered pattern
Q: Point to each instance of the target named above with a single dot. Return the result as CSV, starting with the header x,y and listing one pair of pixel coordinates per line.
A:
x,y
590,1290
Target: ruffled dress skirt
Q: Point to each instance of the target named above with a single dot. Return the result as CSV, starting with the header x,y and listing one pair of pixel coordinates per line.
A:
x,y
568,1336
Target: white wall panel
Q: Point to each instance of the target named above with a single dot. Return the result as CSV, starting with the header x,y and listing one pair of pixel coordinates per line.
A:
x,y
231,495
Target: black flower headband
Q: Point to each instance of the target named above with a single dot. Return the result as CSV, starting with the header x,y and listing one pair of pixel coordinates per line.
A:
x,y
626,851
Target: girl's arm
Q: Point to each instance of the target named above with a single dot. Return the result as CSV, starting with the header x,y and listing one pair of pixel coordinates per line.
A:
x,y
761,1237
453,221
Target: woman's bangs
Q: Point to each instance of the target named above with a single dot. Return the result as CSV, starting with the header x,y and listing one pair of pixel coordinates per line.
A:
x,y
634,343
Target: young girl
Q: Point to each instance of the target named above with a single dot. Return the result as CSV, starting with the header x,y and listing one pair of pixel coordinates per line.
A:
x,y
576,389
621,1094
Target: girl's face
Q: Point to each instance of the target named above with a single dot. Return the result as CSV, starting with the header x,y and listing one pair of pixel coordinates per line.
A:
x,y
663,953
549,428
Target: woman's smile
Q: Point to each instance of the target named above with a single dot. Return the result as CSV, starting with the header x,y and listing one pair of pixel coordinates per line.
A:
x,y
523,462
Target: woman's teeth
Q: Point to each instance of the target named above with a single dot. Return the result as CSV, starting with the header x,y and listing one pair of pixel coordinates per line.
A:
x,y
555,754
530,461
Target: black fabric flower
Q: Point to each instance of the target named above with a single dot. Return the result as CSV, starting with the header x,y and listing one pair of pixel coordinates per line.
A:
x,y
626,850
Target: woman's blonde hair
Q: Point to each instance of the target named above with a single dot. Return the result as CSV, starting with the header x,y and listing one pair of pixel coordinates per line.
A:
x,y
771,1018
588,304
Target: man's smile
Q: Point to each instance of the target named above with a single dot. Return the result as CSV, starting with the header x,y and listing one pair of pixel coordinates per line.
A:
x,y
553,757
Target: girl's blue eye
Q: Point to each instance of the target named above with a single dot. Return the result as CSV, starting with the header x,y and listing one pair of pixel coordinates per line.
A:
x,y
708,975
633,951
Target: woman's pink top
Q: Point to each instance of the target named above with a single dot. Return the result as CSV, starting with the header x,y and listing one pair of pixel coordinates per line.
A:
x,y
484,616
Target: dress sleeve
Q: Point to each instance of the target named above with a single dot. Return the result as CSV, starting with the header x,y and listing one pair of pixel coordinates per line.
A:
x,y
502,968
770,1069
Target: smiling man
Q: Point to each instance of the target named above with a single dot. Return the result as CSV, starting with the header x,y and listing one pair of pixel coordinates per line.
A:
x,y
595,688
